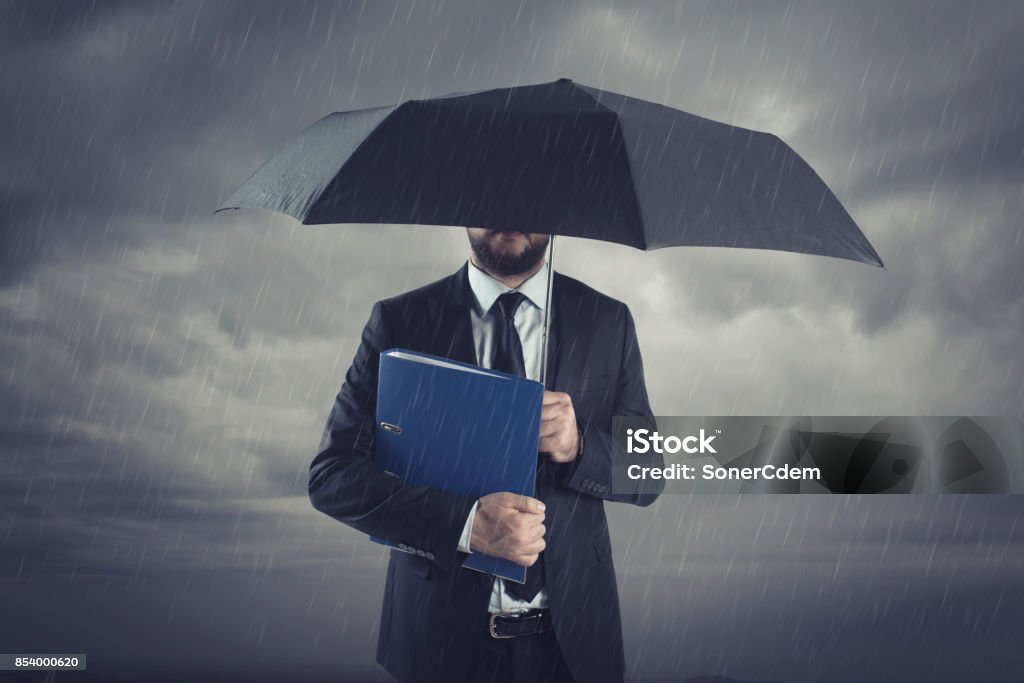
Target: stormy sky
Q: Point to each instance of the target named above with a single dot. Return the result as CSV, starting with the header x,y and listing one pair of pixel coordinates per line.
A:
x,y
167,372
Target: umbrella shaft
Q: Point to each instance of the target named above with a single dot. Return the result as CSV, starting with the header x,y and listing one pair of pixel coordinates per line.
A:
x,y
547,313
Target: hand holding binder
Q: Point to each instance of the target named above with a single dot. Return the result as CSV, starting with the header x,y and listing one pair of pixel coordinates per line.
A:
x,y
511,526
461,428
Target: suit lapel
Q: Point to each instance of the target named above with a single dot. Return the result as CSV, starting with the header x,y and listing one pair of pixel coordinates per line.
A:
x,y
451,330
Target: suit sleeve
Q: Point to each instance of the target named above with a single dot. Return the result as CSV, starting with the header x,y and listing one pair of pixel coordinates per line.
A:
x,y
591,472
346,484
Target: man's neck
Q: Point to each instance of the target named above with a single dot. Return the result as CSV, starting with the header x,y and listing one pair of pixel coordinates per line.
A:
x,y
510,281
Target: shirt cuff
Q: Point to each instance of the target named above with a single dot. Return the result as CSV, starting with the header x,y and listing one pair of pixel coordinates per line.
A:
x,y
467,531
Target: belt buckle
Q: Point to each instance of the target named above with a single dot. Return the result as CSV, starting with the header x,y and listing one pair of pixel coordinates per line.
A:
x,y
493,629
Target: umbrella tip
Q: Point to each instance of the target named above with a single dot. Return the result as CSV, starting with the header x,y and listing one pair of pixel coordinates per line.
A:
x,y
564,80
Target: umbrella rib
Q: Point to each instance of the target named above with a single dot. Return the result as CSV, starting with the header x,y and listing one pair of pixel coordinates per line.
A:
x,y
313,202
636,199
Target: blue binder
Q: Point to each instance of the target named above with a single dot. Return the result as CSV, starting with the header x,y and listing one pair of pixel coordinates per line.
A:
x,y
461,428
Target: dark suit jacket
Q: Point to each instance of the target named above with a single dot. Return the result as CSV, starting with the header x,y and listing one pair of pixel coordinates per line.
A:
x,y
434,611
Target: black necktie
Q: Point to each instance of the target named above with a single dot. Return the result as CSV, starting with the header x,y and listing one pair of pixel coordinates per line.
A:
x,y
508,357
508,351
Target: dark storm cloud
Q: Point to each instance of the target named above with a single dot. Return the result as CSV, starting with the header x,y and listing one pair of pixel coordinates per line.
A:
x,y
888,114
112,115
169,370
135,109
751,587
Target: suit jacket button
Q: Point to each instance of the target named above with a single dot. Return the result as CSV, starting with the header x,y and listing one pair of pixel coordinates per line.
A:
x,y
603,488
420,552
402,546
430,556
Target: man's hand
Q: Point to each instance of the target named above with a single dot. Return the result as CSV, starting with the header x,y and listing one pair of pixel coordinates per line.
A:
x,y
510,526
559,437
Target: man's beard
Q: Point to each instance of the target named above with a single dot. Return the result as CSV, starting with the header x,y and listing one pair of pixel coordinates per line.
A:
x,y
506,264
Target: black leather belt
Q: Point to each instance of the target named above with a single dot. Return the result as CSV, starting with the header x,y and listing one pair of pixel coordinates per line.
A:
x,y
519,624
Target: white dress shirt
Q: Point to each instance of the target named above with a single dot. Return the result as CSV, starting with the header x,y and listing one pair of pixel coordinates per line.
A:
x,y
529,321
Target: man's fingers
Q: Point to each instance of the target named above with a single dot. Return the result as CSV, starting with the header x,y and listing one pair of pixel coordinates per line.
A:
x,y
525,504
554,397
551,444
514,501
533,547
525,551
528,534
526,520
549,429
530,519
554,413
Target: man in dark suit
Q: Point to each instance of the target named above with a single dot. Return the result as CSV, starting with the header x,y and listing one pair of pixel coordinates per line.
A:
x,y
440,621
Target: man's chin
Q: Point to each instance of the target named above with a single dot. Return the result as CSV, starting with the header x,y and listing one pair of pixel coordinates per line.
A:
x,y
509,253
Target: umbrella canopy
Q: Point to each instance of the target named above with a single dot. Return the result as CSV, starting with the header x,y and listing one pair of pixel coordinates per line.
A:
x,y
559,158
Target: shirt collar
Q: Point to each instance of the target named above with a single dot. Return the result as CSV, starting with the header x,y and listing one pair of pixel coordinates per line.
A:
x,y
487,290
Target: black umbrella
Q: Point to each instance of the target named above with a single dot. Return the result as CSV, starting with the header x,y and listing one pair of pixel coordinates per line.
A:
x,y
562,159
